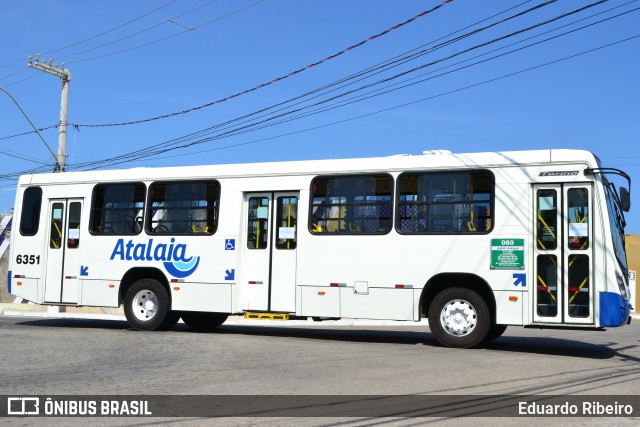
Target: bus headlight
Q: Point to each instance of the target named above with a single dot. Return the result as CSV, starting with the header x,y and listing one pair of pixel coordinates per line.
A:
x,y
622,284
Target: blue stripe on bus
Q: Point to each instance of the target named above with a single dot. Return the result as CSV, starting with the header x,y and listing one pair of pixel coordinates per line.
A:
x,y
614,310
9,281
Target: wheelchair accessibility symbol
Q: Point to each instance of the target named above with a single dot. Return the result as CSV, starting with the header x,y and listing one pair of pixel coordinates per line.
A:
x,y
230,244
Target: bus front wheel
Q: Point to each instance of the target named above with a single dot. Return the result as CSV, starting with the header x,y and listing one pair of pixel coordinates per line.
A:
x,y
460,318
147,306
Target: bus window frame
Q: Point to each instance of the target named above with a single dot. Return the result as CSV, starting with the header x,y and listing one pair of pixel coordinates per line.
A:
x,y
310,223
38,205
215,208
492,198
92,205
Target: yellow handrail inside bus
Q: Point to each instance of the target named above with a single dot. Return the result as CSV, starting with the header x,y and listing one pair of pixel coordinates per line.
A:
x,y
53,242
584,282
547,226
289,222
546,288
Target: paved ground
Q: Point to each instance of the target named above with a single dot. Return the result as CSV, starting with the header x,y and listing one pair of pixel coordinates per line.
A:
x,y
44,355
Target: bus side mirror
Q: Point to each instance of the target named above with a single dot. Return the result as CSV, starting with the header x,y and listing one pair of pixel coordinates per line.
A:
x,y
625,199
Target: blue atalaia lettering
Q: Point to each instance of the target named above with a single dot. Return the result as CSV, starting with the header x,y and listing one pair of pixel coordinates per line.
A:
x,y
149,252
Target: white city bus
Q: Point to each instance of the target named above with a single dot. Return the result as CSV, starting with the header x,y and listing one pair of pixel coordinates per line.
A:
x,y
474,242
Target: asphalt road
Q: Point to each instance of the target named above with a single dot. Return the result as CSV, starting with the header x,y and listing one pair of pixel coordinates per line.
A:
x,y
88,357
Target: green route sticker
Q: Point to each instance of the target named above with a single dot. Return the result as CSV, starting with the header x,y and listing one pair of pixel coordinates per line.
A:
x,y
507,254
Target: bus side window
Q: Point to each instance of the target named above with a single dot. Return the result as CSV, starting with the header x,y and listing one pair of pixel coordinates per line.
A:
x,y
351,204
445,202
183,207
115,207
30,216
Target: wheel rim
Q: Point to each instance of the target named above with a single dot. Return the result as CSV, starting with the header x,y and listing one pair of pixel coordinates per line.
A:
x,y
144,305
459,318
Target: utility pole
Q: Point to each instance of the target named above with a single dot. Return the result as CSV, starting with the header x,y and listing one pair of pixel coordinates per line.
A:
x,y
65,76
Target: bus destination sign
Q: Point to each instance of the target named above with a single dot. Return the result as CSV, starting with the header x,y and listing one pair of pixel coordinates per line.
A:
x,y
507,254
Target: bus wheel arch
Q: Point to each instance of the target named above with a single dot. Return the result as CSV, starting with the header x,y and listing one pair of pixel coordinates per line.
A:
x,y
460,308
147,300
138,273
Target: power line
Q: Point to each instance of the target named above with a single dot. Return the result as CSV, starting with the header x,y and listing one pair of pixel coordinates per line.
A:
x,y
277,79
28,119
16,155
218,137
467,87
164,22
319,62
95,36
125,159
26,133
20,81
168,37
127,37
160,148
408,103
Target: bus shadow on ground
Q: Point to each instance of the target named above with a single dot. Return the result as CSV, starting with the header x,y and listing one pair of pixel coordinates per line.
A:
x,y
507,343
76,323
518,344
552,347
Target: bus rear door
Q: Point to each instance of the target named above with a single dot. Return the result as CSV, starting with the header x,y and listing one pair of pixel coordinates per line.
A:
x,y
62,273
270,252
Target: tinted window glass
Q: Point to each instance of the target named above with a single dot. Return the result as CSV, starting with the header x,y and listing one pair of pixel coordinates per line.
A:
x,y
30,216
455,202
184,207
352,204
57,225
547,219
286,222
117,208
258,223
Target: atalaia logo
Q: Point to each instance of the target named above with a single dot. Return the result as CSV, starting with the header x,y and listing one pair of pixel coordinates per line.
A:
x,y
173,256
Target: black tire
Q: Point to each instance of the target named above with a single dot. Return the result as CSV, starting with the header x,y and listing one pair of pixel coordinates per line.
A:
x,y
495,332
147,306
459,318
203,321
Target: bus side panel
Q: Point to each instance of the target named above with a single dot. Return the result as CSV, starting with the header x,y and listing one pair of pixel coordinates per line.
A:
x,y
212,297
319,301
379,303
26,288
28,257
99,293
509,307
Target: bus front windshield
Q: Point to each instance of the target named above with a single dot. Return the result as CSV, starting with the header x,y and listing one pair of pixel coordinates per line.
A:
x,y
616,219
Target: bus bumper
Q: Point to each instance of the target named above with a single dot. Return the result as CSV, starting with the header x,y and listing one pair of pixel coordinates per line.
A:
x,y
614,310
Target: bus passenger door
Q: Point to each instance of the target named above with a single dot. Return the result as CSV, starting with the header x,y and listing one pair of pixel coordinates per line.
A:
x,y
564,292
63,257
269,267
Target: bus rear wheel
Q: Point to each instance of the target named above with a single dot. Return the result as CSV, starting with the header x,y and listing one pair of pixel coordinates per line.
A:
x,y
147,306
203,321
459,318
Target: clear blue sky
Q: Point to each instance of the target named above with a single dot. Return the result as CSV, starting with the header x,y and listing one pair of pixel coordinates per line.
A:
x,y
590,102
